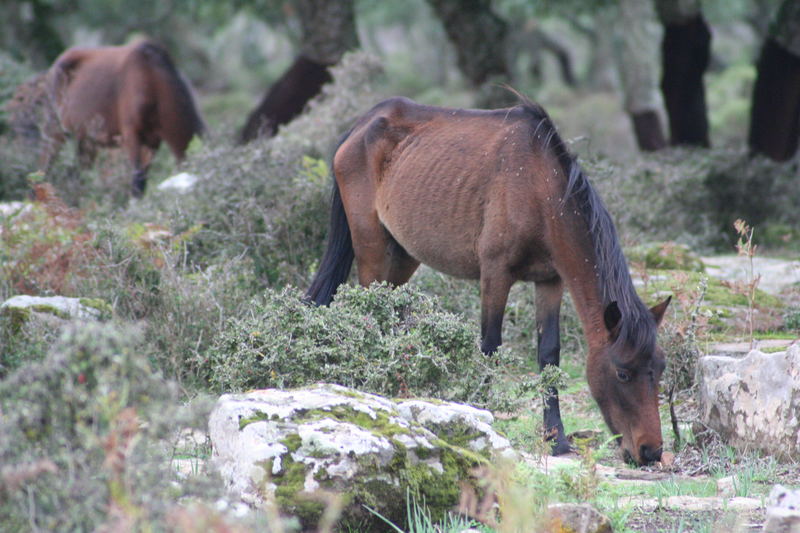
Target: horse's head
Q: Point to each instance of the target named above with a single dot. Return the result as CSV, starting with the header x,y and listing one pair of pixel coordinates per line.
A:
x,y
624,381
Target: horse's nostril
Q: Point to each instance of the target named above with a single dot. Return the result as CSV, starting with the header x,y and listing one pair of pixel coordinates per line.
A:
x,y
649,455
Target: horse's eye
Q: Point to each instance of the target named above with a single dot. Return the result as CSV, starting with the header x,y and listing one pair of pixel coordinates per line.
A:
x,y
623,375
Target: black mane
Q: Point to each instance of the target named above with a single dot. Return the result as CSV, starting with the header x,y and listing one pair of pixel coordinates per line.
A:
x,y
637,327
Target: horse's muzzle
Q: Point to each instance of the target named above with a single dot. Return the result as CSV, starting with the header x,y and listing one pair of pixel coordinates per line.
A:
x,y
648,455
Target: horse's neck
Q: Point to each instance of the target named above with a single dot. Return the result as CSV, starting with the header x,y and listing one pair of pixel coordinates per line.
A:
x,y
577,265
583,284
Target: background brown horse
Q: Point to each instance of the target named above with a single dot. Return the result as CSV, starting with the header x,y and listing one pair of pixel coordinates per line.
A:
x,y
130,96
495,196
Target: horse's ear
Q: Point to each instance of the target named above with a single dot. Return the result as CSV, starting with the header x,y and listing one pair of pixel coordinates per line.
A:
x,y
658,310
613,318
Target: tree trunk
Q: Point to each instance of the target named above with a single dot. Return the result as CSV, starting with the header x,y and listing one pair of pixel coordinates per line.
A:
x,y
635,54
328,31
30,31
775,113
479,37
685,53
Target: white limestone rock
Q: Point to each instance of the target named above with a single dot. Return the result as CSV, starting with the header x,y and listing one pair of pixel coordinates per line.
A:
x,y
291,443
783,511
24,307
181,183
754,401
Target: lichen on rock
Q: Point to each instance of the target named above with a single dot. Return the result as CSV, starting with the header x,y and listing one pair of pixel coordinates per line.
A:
x,y
290,444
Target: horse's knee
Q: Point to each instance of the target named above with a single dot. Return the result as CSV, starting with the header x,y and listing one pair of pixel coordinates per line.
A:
x,y
548,341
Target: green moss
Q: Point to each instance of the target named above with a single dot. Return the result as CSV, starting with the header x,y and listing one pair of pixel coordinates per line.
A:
x,y
380,487
101,306
718,293
665,256
15,318
381,425
50,310
290,492
258,416
350,393
292,442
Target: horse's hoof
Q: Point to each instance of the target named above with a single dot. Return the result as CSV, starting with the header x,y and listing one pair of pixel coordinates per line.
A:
x,y
562,448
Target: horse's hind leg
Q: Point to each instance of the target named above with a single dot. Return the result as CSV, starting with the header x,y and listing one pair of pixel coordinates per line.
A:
x,y
548,308
140,156
378,256
86,152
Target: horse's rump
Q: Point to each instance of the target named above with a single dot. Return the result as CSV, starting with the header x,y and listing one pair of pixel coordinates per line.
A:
x,y
130,96
99,92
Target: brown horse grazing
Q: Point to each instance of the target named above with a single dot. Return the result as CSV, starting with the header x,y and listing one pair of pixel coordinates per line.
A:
x,y
495,196
130,96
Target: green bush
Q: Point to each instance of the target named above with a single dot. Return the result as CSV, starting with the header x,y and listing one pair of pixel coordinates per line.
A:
x,y
693,196
82,437
269,200
392,342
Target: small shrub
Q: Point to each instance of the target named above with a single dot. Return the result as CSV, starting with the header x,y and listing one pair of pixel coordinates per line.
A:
x,y
269,200
791,319
392,342
80,437
46,248
693,196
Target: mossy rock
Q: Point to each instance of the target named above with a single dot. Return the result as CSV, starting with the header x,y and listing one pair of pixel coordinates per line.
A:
x,y
721,303
665,256
372,451
22,308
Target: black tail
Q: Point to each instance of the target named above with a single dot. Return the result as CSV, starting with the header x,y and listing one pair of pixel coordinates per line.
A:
x,y
335,265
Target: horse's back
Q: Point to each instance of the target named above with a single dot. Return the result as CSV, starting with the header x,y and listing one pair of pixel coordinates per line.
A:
x,y
450,185
113,91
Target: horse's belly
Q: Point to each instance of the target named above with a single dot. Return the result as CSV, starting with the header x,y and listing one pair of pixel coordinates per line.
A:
x,y
448,245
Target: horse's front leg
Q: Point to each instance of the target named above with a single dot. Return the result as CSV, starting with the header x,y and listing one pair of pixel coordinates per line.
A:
x,y
140,156
495,284
548,308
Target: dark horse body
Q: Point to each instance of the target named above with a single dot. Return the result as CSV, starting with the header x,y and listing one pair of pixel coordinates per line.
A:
x,y
130,96
495,196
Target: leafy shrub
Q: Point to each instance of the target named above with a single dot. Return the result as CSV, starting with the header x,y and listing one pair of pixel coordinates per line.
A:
x,y
791,319
693,196
268,200
79,437
46,247
392,342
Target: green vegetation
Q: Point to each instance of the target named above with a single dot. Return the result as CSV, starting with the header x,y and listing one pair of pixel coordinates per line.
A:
x,y
201,293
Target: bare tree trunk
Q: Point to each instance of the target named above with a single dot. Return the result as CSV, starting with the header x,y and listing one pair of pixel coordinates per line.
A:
x,y
601,73
635,55
29,30
479,37
685,53
328,31
532,39
775,114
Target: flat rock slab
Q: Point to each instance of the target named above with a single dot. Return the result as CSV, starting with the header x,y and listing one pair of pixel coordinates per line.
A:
x,y
744,348
577,518
694,503
776,274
